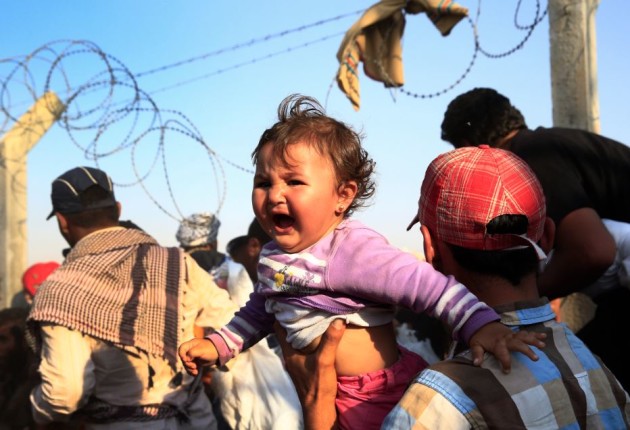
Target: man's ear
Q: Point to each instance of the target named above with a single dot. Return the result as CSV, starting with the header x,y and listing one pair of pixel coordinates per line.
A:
x,y
119,206
431,252
62,221
548,236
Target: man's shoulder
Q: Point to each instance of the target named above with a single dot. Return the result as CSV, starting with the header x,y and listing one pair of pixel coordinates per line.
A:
x,y
460,375
540,136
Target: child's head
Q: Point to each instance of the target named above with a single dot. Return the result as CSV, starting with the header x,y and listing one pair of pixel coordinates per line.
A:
x,y
311,172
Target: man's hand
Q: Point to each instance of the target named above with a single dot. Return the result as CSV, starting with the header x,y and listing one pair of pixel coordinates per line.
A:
x,y
314,376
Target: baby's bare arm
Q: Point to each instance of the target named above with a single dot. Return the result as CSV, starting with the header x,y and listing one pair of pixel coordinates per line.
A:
x,y
197,353
499,340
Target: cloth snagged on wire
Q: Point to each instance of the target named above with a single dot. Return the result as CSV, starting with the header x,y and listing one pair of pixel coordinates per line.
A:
x,y
375,40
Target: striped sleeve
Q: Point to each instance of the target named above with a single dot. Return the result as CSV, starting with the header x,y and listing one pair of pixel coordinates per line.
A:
x,y
249,325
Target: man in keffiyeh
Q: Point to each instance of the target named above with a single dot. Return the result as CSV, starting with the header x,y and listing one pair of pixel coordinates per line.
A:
x,y
106,324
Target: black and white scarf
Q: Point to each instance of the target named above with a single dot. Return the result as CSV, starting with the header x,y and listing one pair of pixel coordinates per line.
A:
x,y
118,285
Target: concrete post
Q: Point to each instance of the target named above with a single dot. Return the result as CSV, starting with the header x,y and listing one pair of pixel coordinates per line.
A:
x,y
14,148
573,59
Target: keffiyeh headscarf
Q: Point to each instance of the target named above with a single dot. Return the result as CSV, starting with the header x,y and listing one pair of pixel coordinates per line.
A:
x,y
198,229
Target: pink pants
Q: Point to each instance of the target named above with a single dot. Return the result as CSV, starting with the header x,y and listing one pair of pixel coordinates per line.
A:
x,y
363,401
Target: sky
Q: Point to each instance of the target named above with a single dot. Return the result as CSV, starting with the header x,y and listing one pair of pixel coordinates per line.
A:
x,y
207,77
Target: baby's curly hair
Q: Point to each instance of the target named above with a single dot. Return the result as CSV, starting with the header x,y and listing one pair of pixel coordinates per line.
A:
x,y
302,119
480,116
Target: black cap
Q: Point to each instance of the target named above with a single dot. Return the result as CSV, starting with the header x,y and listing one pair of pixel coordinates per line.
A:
x,y
67,188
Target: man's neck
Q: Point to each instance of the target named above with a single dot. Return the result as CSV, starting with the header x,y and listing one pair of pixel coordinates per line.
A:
x,y
505,139
495,290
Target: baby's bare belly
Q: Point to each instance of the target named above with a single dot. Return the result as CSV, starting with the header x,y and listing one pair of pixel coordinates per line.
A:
x,y
366,349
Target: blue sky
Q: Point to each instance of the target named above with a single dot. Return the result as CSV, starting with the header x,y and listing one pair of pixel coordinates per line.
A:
x,y
213,73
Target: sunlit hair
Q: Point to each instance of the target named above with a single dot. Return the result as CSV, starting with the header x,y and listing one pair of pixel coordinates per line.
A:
x,y
480,116
302,119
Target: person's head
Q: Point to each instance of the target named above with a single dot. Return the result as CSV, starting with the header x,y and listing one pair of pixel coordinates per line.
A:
x,y
246,249
311,172
482,211
83,201
34,276
199,230
480,116
237,248
255,231
13,347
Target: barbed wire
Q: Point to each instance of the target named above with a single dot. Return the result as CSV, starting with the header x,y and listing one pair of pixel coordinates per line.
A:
x,y
537,19
116,100
135,106
251,42
111,97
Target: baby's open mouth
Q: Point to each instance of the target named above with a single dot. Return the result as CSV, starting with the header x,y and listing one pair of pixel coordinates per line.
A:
x,y
283,221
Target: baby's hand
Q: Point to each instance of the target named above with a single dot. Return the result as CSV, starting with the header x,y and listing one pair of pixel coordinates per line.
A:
x,y
197,353
499,340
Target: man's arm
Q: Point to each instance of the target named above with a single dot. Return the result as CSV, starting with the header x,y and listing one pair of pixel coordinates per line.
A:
x,y
583,250
67,375
314,376
217,307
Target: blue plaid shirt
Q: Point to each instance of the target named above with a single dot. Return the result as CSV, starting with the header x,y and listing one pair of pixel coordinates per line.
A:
x,y
567,388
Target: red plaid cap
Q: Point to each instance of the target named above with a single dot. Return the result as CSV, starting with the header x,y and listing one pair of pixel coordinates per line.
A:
x,y
466,188
36,274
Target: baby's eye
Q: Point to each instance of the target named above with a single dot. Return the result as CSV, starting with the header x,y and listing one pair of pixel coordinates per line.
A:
x,y
294,182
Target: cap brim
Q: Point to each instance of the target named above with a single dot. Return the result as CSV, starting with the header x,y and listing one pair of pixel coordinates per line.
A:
x,y
413,222
52,213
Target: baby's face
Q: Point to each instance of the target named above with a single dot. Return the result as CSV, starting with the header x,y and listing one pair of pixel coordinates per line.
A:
x,y
296,201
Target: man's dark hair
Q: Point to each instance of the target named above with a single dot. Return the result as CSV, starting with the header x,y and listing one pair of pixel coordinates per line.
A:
x,y
511,264
94,217
236,244
255,230
480,116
